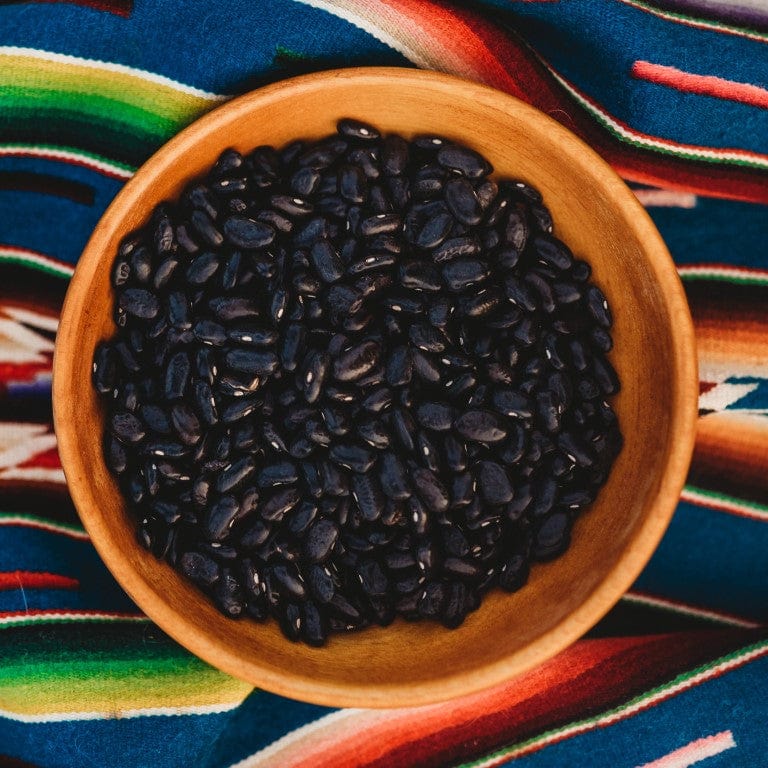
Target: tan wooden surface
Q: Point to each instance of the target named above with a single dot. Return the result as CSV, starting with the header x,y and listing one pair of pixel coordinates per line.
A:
x,y
596,214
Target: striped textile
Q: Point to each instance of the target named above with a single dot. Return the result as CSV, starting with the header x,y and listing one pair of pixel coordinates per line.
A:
x,y
673,93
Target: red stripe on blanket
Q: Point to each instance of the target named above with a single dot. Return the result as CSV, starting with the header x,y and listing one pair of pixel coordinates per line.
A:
x,y
703,85
48,459
23,371
36,580
118,7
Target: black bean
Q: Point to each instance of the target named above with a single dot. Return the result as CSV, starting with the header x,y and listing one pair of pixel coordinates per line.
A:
x,y
425,367
462,201
428,451
432,599
186,423
553,536
314,370
394,155
372,578
251,361
601,340
394,481
482,426
430,490
526,331
339,394
252,335
239,409
354,129
104,369
576,449
547,411
237,385
345,610
354,457
427,338
313,625
517,230
279,504
399,366
357,361
380,224
139,302
141,264
455,248
115,454
543,291
121,271
440,311
544,496
202,268
464,160
244,232
433,231
221,517
462,489
461,385
203,224
419,275
372,431
514,572
320,540
199,568
373,262
280,473
481,303
176,376
352,183
460,274
566,293
235,474
326,261
320,583
462,568
454,609
378,401
435,416
404,428
519,293
597,306
455,455
605,376
494,483
368,495
291,206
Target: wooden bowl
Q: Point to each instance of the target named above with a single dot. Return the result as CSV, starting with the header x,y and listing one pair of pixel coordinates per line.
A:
x,y
595,213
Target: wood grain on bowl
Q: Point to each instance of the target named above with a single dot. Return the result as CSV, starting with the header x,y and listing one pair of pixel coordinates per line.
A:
x,y
595,214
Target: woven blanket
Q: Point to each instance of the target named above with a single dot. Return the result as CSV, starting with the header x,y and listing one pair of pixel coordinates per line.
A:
x,y
674,94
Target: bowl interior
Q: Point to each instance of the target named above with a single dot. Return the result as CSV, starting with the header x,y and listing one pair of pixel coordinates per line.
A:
x,y
601,221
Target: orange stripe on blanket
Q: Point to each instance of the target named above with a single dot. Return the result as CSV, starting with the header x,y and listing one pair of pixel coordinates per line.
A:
x,y
36,580
730,348
731,455
704,85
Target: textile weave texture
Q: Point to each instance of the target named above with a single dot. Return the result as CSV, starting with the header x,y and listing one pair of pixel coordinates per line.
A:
x,y
674,94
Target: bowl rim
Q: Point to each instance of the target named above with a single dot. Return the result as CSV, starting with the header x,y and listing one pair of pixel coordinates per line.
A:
x,y
628,565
